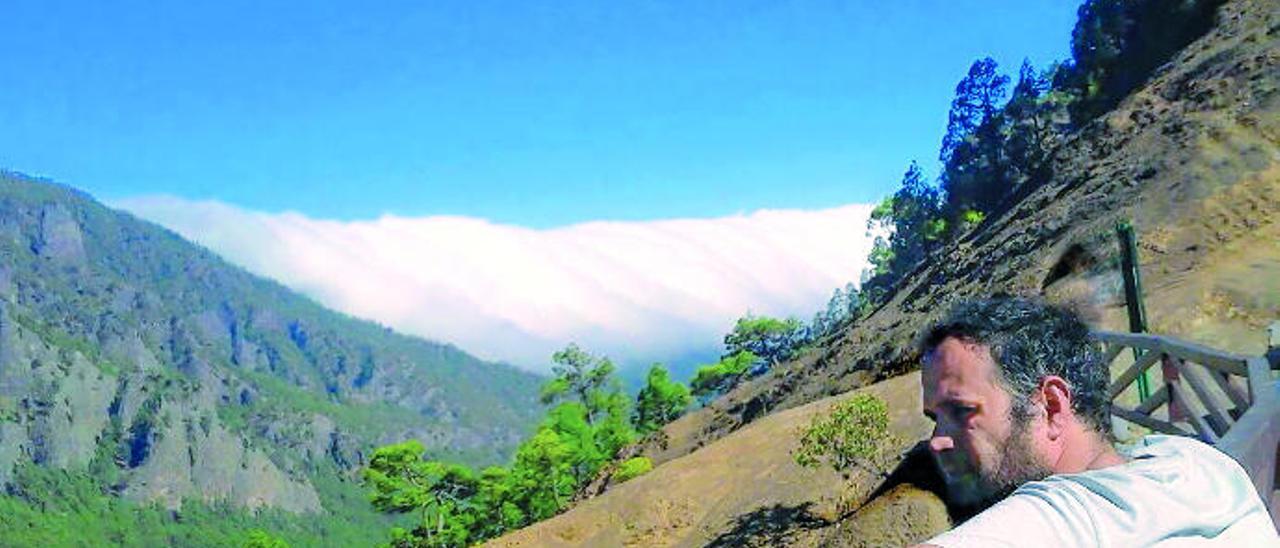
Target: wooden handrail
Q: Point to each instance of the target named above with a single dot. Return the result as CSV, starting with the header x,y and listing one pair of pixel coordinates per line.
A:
x,y
1192,352
1247,429
1254,439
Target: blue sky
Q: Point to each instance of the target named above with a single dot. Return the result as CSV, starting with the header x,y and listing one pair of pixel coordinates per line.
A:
x,y
537,114
510,177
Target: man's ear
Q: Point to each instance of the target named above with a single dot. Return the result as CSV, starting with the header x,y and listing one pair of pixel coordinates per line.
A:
x,y
1056,394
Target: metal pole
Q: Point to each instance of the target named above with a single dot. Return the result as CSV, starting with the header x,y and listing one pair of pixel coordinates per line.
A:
x,y
1133,293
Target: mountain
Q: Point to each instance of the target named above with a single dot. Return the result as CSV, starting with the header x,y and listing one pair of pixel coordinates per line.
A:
x,y
1192,157
152,371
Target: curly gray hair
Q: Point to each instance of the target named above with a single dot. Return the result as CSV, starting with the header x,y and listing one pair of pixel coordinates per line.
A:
x,y
1029,340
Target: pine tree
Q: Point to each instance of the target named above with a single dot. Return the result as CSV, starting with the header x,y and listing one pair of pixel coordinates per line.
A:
x,y
661,400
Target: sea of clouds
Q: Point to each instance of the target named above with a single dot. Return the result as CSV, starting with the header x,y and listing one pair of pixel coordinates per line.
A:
x,y
638,291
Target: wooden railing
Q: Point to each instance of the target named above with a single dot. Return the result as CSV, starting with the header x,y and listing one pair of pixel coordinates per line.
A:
x,y
1229,400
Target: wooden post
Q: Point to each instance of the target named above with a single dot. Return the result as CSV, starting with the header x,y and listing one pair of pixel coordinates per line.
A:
x,y
1273,344
1177,413
1133,294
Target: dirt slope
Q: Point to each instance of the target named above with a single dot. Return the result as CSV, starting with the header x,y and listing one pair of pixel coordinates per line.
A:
x,y
745,490
1193,158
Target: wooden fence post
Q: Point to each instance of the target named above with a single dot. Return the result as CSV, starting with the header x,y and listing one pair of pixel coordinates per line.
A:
x,y
1177,413
1273,344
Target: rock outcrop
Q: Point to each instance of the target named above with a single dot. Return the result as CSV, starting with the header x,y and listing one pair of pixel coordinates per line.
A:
x,y
131,355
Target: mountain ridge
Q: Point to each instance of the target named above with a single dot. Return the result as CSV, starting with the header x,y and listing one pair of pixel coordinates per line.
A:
x,y
170,375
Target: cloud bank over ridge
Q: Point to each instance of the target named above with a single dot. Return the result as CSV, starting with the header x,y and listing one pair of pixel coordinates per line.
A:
x,y
637,291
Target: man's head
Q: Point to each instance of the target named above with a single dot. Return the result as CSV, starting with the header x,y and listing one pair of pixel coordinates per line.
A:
x,y
1017,392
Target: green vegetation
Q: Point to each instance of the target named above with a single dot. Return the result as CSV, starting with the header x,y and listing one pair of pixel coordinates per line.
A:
x,y
715,379
261,539
770,339
441,493
911,220
589,421
45,507
995,151
661,401
758,343
583,378
121,318
632,468
854,435
846,303
1117,44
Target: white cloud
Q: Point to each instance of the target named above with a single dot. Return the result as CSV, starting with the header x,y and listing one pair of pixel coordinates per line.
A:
x,y
637,291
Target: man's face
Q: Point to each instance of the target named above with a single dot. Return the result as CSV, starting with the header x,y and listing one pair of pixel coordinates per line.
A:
x,y
982,451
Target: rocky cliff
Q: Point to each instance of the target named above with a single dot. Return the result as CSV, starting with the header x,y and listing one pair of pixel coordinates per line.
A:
x,y
169,375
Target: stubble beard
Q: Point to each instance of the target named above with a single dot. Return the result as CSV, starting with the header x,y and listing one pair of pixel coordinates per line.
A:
x,y
1018,464
1013,463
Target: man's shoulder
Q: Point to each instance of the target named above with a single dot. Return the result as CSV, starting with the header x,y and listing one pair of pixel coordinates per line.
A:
x,y
1168,446
1159,493
1175,462
1160,471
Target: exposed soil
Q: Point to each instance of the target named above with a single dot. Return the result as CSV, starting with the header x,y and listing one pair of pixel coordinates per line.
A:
x,y
1192,158
746,490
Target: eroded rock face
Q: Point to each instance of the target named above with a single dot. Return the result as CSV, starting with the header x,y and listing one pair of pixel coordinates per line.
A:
x,y
54,404
141,360
6,282
56,408
59,238
194,456
128,349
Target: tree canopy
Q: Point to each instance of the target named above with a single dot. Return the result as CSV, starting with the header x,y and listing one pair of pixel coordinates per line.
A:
x,y
908,225
581,377
1117,44
589,419
660,401
996,150
769,339
402,482
714,379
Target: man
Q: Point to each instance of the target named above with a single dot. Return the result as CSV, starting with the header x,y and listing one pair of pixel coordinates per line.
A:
x,y
1019,398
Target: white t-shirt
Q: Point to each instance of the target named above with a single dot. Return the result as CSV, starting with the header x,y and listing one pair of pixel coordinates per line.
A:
x,y
1175,491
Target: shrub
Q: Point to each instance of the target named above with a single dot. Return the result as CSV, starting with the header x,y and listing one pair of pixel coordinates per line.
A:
x,y
258,538
854,435
632,468
718,378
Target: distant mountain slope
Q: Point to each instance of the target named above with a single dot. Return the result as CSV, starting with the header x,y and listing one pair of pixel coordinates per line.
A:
x,y
168,374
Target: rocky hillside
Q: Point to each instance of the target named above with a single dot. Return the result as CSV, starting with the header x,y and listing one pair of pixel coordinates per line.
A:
x,y
1192,158
169,375
745,490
